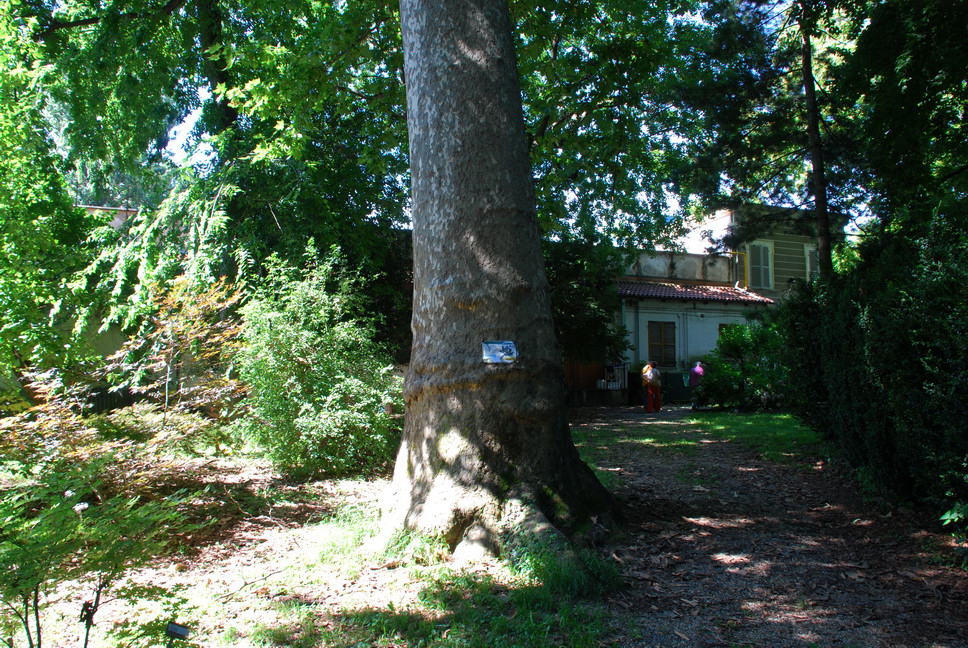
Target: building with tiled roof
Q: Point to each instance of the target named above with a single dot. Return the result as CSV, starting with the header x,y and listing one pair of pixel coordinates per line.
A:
x,y
675,303
689,292
673,306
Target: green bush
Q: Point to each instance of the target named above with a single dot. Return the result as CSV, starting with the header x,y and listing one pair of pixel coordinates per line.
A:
x,y
744,370
878,361
322,391
60,526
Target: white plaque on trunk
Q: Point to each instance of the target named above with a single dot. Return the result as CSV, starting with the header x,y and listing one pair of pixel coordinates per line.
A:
x,y
499,351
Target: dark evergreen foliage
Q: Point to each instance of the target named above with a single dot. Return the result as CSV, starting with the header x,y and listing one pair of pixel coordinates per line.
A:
x,y
877,362
584,299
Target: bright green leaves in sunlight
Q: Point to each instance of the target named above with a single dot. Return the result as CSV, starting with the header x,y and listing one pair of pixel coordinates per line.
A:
x,y
301,132
59,530
326,67
599,82
123,72
41,233
322,390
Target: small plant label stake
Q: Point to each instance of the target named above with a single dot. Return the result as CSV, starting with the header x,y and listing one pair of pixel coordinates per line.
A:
x,y
499,352
177,631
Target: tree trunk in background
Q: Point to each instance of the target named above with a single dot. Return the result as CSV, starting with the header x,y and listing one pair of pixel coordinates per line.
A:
x,y
209,18
486,449
824,253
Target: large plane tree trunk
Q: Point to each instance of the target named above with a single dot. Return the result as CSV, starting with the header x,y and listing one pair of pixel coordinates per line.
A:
x,y
486,450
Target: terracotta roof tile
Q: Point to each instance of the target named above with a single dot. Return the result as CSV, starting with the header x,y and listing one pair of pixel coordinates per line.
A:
x,y
689,292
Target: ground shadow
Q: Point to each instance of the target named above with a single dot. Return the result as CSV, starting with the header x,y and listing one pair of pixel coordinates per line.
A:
x,y
725,548
457,609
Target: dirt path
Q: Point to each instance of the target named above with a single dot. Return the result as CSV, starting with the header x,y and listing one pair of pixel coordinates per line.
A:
x,y
726,549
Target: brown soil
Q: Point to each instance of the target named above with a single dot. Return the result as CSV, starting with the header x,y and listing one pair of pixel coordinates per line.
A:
x,y
726,549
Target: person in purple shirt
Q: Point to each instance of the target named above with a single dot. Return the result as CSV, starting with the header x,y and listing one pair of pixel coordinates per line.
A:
x,y
652,384
695,384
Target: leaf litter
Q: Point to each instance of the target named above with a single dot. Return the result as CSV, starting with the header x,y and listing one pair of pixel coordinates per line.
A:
x,y
755,555
765,554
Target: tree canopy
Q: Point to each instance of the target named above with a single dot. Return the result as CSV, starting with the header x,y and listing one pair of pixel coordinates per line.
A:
x,y
299,131
38,221
636,113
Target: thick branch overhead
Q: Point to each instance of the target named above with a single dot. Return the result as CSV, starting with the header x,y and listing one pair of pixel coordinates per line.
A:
x,y
58,25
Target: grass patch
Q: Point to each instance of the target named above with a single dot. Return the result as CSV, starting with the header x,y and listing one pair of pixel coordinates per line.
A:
x,y
598,445
662,437
593,446
542,596
345,532
454,610
673,440
410,548
300,628
777,437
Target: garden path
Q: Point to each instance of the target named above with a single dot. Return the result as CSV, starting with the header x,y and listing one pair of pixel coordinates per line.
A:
x,y
724,548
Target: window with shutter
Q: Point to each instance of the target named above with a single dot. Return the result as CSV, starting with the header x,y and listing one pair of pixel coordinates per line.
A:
x,y
662,343
761,269
813,261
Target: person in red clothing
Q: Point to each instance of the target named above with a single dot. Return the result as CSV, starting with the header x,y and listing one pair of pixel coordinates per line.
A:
x,y
652,383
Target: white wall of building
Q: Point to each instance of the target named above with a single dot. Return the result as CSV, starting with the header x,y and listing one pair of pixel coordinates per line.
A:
x,y
697,326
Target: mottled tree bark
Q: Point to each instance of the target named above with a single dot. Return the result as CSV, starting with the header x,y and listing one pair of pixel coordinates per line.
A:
x,y
486,450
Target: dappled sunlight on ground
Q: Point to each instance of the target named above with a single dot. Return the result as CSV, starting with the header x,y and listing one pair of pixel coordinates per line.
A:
x,y
731,549
714,523
731,559
722,548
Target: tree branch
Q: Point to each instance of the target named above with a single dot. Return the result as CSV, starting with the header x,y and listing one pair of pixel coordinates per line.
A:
x,y
57,25
14,610
951,174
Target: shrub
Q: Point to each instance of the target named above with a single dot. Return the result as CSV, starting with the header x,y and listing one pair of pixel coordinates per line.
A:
x,y
878,361
128,449
60,527
181,357
322,391
744,369
83,503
